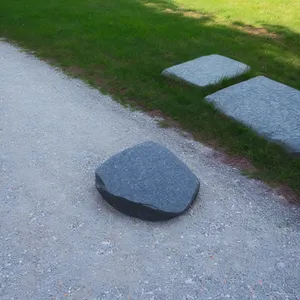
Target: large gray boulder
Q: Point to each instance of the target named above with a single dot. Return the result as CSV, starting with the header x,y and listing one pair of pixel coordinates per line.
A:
x,y
207,70
271,108
147,181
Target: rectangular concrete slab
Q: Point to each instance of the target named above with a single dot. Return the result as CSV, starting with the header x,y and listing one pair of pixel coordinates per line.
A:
x,y
207,70
271,108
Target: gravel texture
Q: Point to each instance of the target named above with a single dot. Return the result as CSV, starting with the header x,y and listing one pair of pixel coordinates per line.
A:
x,y
207,70
147,181
60,240
271,108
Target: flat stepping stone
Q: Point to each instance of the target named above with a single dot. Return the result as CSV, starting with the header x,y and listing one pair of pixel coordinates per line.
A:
x,y
271,108
207,70
147,181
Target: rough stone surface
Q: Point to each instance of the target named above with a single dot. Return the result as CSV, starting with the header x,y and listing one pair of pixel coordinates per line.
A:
x,y
207,70
271,108
60,240
147,181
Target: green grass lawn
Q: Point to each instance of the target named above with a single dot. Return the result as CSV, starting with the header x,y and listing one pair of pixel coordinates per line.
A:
x,y
258,13
122,46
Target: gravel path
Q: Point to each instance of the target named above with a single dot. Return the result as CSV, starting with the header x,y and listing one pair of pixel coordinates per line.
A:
x,y
60,240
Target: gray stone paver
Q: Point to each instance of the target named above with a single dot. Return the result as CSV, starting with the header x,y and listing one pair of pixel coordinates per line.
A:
x,y
207,70
271,108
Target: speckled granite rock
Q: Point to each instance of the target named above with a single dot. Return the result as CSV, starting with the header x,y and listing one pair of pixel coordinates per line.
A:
x,y
147,181
207,70
271,108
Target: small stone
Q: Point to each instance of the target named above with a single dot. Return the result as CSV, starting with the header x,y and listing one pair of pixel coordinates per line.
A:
x,y
270,108
207,70
147,181
280,265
